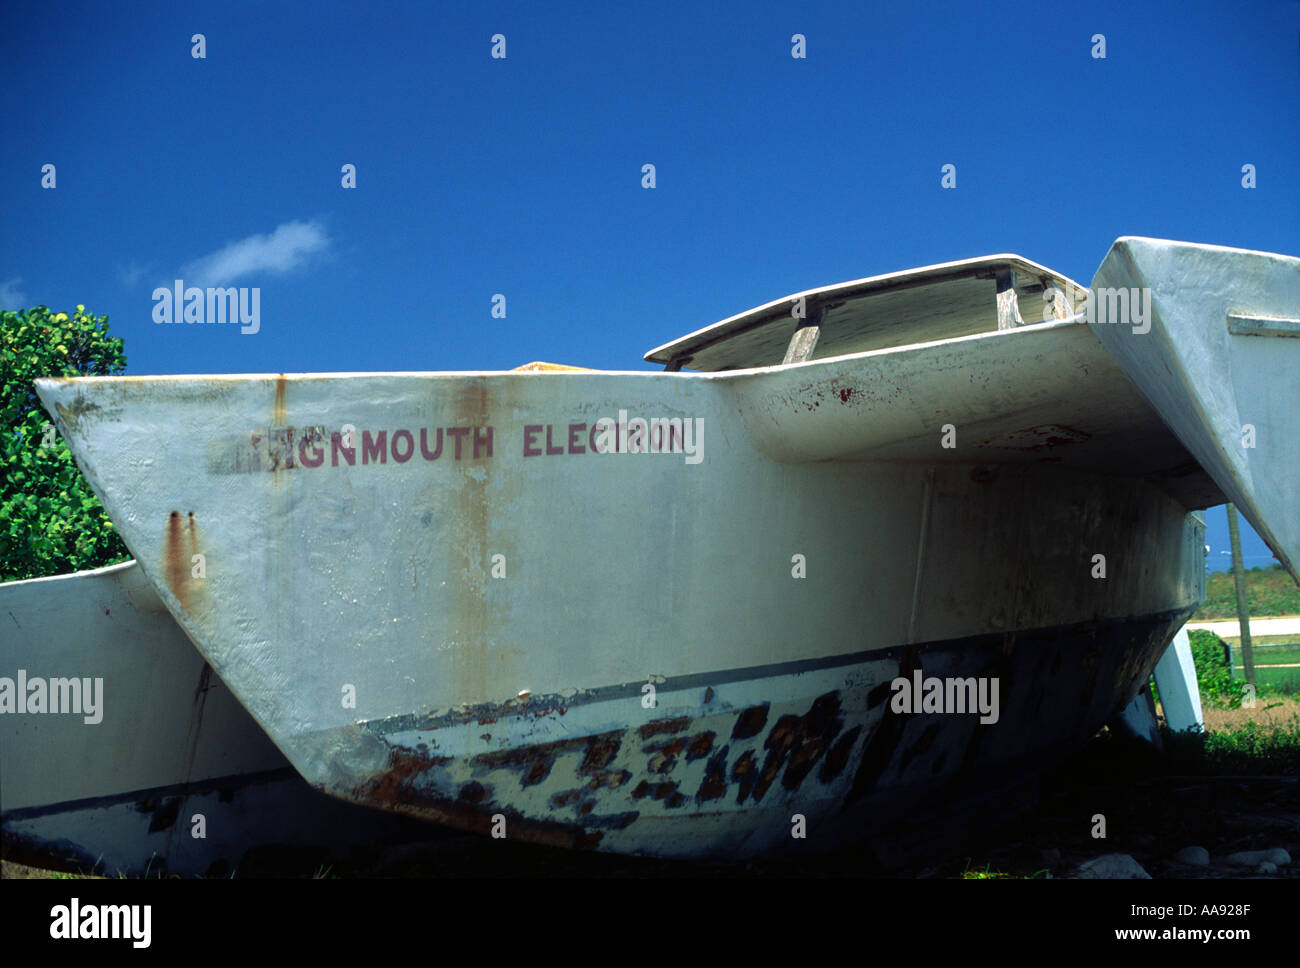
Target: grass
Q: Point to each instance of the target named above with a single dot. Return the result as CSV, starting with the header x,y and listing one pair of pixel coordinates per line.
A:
x,y
1282,651
9,870
1272,681
1269,591
1272,654
1262,745
991,875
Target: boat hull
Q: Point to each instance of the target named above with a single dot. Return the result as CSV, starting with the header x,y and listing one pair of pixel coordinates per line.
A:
x,y
450,595
763,762
118,787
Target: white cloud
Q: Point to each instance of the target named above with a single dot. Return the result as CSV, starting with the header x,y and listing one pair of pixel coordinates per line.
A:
x,y
11,297
283,250
132,273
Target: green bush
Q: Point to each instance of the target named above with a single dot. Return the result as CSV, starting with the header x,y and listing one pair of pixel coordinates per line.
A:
x,y
50,520
1252,748
1214,669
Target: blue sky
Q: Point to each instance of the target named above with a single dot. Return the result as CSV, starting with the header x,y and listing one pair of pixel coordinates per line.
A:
x,y
522,176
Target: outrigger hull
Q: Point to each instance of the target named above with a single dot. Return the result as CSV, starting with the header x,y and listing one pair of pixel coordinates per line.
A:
x,y
149,766
471,598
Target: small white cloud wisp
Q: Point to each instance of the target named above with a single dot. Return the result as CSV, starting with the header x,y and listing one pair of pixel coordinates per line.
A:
x,y
283,250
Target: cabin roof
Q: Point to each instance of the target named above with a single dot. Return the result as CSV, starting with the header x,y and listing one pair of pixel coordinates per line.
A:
x,y
896,309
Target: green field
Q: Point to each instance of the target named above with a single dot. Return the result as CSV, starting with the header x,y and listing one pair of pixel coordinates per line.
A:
x,y
1282,680
1279,680
1270,654
1269,591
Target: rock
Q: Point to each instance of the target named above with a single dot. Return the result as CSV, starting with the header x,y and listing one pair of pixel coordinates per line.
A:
x,y
1194,856
1113,867
1253,858
1266,868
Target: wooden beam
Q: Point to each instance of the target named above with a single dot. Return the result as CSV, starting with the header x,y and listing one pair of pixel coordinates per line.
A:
x,y
1243,608
1008,310
1060,308
804,341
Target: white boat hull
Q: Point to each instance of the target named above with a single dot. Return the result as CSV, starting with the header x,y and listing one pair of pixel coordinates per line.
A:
x,y
466,632
115,786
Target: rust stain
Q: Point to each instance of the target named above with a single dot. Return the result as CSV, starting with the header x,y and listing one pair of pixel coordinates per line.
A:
x,y
777,744
743,773
565,798
399,789
279,412
180,546
665,791
817,731
478,659
714,784
659,726
174,571
700,746
601,749
613,779
533,763
794,744
403,769
750,722
473,792
661,763
670,747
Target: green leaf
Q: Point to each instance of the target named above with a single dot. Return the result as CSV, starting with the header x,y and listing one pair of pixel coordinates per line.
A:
x,y
50,520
